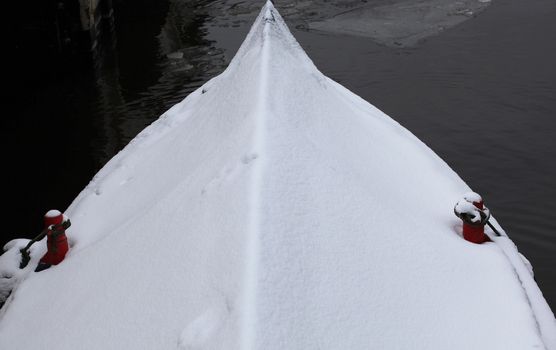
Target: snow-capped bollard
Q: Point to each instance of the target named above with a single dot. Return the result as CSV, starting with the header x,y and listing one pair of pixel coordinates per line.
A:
x,y
56,225
474,214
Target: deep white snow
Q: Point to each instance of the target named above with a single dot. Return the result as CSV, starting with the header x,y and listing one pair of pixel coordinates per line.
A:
x,y
273,209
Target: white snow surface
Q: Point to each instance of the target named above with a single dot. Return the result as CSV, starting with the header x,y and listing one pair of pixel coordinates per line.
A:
x,y
274,209
473,197
52,213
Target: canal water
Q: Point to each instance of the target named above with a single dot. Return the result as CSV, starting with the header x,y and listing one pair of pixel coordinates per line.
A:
x,y
481,94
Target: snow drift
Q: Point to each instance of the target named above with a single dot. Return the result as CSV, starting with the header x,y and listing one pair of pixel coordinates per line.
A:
x,y
274,209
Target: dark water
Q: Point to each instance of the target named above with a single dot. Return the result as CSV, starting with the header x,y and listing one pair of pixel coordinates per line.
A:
x,y
482,95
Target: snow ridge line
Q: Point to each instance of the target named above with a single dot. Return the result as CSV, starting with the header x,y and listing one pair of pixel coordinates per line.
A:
x,y
249,318
541,312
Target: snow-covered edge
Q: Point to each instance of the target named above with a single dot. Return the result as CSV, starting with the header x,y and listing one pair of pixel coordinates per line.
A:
x,y
542,313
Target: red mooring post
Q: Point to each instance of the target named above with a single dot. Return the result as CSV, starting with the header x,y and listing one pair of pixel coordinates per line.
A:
x,y
474,214
57,241
475,233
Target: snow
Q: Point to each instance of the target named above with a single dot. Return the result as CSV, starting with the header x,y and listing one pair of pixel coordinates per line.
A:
x,y
52,213
464,207
524,272
274,209
472,197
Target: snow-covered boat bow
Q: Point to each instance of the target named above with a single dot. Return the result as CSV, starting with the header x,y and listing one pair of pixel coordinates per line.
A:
x,y
275,209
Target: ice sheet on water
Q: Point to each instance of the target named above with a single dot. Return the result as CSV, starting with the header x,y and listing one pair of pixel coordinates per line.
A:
x,y
401,23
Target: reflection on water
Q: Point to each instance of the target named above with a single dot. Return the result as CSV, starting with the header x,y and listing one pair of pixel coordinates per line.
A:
x,y
151,68
481,95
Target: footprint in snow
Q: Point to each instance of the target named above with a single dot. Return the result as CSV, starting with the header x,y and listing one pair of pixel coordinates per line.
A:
x,y
202,329
248,158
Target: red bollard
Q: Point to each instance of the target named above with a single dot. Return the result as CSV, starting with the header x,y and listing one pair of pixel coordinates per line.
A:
x,y
474,214
57,241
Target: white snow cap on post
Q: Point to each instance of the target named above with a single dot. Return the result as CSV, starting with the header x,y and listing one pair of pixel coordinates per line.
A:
x,y
52,213
473,197
274,209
